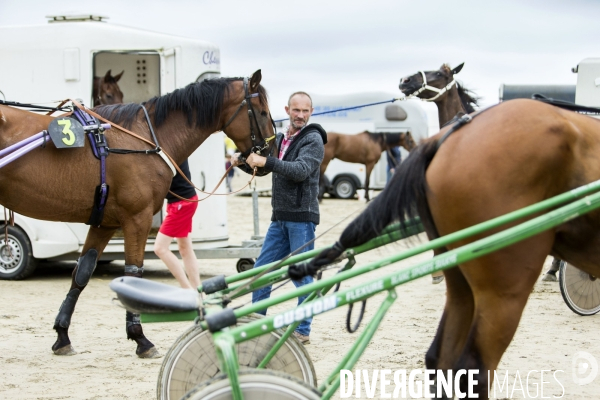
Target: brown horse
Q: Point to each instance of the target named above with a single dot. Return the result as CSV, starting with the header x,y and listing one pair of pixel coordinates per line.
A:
x,y
440,86
450,97
363,148
59,184
106,90
515,154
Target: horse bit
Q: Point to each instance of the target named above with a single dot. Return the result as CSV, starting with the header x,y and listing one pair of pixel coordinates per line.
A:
x,y
425,86
252,115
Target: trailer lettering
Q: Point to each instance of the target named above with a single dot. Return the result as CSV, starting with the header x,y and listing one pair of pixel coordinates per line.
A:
x,y
209,58
305,311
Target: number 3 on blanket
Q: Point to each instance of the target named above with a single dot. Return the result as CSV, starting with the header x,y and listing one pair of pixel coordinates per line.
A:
x,y
66,133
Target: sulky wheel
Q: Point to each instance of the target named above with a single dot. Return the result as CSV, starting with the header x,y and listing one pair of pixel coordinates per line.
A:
x,y
244,264
192,359
255,384
580,290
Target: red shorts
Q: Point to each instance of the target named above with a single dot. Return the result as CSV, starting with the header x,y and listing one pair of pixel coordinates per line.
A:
x,y
178,222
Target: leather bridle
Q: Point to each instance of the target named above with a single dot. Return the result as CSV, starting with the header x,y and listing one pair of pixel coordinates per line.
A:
x,y
425,86
257,147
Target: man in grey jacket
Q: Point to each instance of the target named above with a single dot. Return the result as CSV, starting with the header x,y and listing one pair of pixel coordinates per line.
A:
x,y
295,189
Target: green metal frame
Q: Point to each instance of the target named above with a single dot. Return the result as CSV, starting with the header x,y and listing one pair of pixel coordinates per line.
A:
x,y
226,339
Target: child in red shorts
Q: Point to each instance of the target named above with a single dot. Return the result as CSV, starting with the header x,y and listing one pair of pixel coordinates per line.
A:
x,y
178,224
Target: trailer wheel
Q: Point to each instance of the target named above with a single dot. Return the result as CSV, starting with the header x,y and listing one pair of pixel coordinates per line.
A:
x,y
244,264
16,257
344,188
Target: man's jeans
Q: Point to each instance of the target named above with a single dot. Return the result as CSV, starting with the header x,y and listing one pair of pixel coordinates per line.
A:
x,y
284,237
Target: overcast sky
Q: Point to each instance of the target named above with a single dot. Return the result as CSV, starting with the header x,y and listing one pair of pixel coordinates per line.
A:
x,y
336,47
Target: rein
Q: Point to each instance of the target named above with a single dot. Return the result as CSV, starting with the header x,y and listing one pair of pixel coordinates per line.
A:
x,y
158,150
35,107
425,86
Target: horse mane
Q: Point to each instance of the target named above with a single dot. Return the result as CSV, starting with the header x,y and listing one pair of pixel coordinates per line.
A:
x,y
403,199
200,102
387,138
376,137
467,98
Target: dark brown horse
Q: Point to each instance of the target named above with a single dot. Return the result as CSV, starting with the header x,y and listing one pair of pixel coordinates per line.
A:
x,y
59,184
106,90
515,154
450,97
363,148
441,87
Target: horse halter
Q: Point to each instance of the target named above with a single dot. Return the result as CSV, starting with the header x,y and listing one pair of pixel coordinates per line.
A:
x,y
425,86
256,148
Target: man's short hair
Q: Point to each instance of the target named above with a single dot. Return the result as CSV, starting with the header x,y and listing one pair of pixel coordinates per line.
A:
x,y
295,93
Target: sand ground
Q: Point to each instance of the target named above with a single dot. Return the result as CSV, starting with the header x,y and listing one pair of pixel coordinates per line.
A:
x,y
106,366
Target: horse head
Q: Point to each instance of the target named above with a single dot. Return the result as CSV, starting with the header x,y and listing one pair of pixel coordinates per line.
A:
x,y
430,85
106,90
254,133
404,139
407,141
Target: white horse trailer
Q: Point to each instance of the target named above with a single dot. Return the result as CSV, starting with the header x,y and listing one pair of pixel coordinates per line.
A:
x,y
414,116
48,63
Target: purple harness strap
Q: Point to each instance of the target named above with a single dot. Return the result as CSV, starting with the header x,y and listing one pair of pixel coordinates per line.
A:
x,y
100,149
95,131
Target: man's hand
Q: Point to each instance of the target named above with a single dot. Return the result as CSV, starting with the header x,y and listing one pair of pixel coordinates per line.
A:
x,y
235,159
254,160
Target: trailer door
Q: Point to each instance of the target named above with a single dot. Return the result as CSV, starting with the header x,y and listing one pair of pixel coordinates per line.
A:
x,y
168,72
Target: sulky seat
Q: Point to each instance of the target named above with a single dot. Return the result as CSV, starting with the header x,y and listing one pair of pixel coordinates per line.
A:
x,y
145,296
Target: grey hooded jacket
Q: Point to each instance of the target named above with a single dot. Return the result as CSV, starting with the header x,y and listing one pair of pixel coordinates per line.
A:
x,y
296,177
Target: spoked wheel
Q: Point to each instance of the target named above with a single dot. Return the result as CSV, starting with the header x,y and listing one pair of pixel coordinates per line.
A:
x,y
580,290
255,384
192,359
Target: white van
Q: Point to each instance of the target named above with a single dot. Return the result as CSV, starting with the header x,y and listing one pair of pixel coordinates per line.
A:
x,y
48,63
356,115
587,92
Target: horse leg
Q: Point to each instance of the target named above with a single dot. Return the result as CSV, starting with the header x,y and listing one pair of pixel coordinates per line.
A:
x,y
136,233
501,283
367,178
95,243
322,183
454,326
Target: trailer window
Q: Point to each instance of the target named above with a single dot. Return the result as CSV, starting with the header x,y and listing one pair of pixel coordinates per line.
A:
x,y
394,112
141,76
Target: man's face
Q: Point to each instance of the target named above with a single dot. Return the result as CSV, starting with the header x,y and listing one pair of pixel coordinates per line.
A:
x,y
299,110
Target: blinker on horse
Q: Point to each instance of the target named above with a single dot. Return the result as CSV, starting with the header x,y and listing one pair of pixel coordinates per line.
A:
x,y
469,179
58,184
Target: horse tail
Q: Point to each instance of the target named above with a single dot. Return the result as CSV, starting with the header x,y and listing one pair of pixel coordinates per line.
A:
x,y
403,199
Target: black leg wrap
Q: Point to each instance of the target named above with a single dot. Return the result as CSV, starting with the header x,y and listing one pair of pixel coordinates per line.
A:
x,y
134,270
131,319
63,319
85,267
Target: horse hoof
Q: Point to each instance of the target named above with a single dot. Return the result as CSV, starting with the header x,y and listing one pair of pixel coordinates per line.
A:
x,y
437,279
150,353
549,278
67,350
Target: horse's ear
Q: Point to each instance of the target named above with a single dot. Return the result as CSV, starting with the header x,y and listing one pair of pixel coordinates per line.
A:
x,y
107,76
457,69
255,80
117,77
